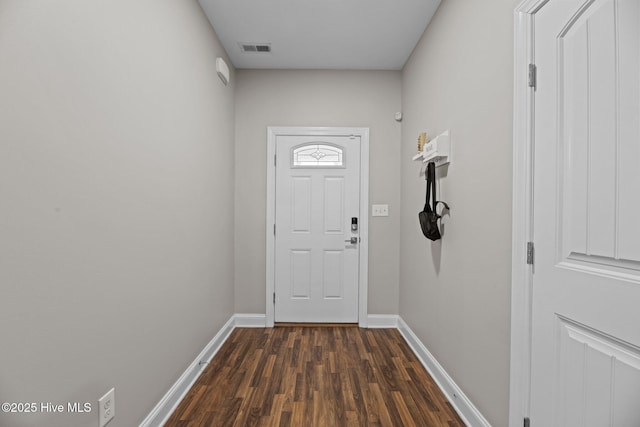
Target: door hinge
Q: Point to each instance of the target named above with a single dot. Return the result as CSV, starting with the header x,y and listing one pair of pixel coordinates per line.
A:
x,y
527,423
274,298
533,76
275,160
274,229
530,253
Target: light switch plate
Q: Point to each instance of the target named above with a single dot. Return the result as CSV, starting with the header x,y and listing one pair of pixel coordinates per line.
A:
x,y
379,210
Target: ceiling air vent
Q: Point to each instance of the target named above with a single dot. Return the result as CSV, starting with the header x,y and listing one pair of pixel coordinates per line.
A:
x,y
255,47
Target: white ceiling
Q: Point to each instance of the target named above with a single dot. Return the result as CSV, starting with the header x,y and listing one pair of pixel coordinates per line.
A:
x,y
321,34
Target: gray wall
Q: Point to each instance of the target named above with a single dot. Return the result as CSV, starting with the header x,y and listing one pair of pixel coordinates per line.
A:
x,y
316,98
455,293
116,202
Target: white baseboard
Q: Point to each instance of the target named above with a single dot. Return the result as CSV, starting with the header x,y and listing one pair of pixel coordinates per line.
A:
x,y
243,320
463,406
382,321
163,410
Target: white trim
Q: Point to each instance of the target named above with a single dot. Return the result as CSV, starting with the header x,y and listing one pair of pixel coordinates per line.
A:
x,y
530,7
271,220
363,268
245,320
170,401
522,212
363,273
382,321
463,406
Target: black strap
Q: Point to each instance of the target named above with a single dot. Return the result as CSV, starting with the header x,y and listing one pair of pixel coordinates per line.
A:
x,y
431,188
431,191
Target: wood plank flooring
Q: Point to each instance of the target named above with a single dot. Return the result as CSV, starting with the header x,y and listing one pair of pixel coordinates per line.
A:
x,y
314,377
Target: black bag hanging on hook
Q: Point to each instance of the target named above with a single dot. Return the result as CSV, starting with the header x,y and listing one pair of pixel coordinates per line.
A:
x,y
429,217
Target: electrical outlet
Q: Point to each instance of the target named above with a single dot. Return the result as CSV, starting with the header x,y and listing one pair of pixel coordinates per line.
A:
x,y
379,210
107,404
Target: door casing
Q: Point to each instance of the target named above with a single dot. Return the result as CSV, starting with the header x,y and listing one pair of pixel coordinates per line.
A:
x,y
522,212
363,266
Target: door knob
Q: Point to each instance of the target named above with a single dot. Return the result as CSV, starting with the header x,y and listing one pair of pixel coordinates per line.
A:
x,y
353,241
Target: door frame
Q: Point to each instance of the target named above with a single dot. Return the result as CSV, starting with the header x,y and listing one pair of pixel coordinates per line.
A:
x,y
363,265
522,211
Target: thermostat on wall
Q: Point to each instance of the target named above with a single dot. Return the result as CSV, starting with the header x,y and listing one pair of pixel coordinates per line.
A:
x,y
223,70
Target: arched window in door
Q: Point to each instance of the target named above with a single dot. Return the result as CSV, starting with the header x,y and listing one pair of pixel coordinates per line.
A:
x,y
317,155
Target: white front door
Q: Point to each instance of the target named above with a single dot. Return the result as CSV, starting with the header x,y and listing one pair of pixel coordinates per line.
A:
x,y
317,222
585,356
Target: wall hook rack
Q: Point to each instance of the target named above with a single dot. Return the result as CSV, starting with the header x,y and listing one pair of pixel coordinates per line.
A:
x,y
437,150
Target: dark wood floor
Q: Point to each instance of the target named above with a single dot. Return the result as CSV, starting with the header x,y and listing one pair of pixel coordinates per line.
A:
x,y
318,376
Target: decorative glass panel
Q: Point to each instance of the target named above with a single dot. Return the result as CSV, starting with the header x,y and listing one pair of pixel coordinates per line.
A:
x,y
321,155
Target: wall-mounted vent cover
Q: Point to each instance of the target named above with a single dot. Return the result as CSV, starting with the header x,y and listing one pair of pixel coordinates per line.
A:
x,y
255,47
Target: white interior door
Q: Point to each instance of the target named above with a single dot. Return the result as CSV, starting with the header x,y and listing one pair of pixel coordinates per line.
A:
x,y
316,247
586,283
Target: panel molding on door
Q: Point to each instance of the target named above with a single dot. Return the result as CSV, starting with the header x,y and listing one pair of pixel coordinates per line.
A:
x,y
583,350
301,206
332,273
325,189
325,156
600,246
333,205
600,160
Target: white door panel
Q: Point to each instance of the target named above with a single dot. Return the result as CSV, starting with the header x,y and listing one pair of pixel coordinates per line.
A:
x,y
586,284
317,194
